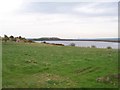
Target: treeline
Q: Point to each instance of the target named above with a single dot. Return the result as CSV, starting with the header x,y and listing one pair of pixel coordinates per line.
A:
x,y
52,39
15,39
46,38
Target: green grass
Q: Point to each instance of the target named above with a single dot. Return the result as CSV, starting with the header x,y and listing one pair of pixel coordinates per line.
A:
x,y
46,66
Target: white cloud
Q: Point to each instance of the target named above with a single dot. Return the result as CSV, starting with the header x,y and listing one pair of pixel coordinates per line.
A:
x,y
58,24
9,6
89,9
96,8
37,25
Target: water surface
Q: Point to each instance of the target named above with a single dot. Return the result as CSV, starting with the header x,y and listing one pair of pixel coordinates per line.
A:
x,y
98,44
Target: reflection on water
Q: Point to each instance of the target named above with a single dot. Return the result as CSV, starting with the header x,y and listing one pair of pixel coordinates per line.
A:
x,y
86,43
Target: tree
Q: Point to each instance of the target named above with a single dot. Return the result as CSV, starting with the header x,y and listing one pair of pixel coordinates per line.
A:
x,y
72,44
11,38
6,38
20,37
30,41
93,46
109,47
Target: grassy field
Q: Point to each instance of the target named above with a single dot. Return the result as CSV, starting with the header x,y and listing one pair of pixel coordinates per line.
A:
x,y
46,66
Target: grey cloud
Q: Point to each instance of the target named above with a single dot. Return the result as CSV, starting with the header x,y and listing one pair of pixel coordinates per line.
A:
x,y
68,8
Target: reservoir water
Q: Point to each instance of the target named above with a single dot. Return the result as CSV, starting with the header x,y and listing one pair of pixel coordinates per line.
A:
x,y
98,44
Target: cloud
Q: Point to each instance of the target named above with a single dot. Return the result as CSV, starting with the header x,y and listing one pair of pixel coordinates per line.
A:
x,y
9,6
81,8
65,20
97,9
38,25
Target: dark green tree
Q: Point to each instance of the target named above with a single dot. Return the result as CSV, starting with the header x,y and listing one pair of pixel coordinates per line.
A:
x,y
11,38
6,38
20,37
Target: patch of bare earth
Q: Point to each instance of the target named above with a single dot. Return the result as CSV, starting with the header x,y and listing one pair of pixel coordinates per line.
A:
x,y
47,80
110,79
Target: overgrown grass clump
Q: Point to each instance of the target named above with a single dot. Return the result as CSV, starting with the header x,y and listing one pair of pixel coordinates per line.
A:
x,y
47,66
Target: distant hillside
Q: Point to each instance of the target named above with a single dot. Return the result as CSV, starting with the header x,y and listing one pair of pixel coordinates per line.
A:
x,y
116,39
109,39
82,39
46,39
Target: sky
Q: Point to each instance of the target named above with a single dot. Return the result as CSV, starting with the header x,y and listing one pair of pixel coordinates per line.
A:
x,y
78,19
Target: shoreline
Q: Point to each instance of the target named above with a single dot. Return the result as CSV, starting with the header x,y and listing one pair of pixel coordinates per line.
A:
x,y
80,40
76,45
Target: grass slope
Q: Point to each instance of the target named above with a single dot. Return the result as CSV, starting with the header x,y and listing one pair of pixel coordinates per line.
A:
x,y
39,65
